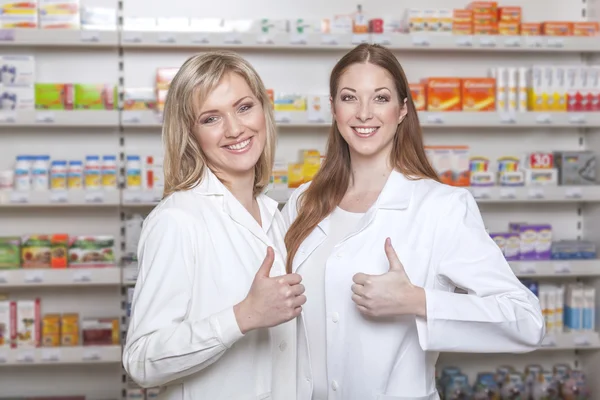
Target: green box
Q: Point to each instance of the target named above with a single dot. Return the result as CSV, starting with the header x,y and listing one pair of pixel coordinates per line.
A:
x,y
53,96
95,96
10,252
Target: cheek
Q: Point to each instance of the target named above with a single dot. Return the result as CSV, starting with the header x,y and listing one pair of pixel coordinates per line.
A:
x,y
208,138
388,114
344,111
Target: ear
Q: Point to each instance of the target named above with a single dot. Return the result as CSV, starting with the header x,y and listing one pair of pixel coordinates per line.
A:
x,y
403,111
331,106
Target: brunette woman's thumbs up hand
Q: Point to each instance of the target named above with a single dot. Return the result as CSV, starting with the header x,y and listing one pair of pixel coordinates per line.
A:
x,y
271,300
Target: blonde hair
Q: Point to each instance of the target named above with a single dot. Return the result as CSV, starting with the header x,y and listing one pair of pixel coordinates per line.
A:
x,y
184,162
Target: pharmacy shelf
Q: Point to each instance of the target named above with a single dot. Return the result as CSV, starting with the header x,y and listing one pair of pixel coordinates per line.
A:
x,y
130,274
258,41
583,340
58,38
60,356
556,268
68,198
496,194
150,119
60,118
20,278
140,198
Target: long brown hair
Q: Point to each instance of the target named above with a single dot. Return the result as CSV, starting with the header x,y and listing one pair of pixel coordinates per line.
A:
x,y
330,184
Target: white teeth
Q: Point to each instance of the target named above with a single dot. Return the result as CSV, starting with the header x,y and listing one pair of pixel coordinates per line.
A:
x,y
365,131
240,145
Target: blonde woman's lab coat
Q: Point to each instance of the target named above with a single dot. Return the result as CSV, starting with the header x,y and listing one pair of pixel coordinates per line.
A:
x,y
439,236
198,254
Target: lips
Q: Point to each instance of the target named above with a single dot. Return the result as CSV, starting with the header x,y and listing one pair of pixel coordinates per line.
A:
x,y
365,131
239,147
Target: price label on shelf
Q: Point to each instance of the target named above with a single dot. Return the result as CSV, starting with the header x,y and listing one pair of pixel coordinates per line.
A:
x,y
508,118
541,161
167,38
534,41
536,193
59,197
435,119
3,358
19,197
487,41
132,196
464,41
360,38
512,41
543,119
130,274
90,36
562,268
200,38
45,117
329,40
3,278
91,355
577,119
508,193
555,42
25,356
481,192
573,193
232,38
581,341
130,117
132,37
527,268
51,355
94,197
82,276
7,35
549,341
283,117
8,117
420,40
34,276
382,39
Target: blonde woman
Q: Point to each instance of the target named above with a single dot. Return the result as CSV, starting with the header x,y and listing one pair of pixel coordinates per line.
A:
x,y
209,313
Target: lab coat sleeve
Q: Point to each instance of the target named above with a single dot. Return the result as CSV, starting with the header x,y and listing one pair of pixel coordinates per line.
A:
x,y
164,343
498,313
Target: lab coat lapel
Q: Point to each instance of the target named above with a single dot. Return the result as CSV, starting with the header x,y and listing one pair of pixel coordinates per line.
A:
x,y
310,244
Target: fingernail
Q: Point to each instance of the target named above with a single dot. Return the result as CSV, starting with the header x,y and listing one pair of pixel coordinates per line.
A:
x,y
388,241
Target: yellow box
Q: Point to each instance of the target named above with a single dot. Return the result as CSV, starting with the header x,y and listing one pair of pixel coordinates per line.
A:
x,y
295,175
509,28
69,330
290,102
535,92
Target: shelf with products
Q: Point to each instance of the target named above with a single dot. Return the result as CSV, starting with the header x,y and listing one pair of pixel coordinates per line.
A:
x,y
59,119
556,268
49,277
44,356
72,38
61,199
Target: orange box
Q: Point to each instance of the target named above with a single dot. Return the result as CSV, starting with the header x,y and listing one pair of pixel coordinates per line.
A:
x,y
443,94
59,245
509,14
478,94
485,18
509,28
479,6
461,16
164,76
417,92
531,29
585,28
485,29
463,28
557,28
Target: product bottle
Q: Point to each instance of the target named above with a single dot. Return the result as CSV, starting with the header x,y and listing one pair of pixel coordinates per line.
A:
x,y
23,174
522,90
39,172
58,175
75,175
133,172
91,173
109,172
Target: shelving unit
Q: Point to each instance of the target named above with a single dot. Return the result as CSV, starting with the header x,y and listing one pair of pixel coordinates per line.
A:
x,y
287,64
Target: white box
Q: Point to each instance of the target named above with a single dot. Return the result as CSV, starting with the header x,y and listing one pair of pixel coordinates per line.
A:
x,y
319,108
209,25
17,70
17,98
99,18
59,14
341,25
28,323
415,20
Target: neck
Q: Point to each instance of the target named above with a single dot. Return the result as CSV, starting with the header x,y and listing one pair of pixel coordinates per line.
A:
x,y
369,173
242,188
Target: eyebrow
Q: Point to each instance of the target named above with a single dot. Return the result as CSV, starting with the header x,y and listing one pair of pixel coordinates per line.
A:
x,y
376,90
234,104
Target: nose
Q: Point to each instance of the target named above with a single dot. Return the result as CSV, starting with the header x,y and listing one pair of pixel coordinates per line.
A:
x,y
364,112
234,127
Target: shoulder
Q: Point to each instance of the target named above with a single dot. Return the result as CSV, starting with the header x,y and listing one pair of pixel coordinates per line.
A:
x,y
183,208
441,198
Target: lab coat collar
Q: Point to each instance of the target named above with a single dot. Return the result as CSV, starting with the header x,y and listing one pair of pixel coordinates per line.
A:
x,y
210,185
396,195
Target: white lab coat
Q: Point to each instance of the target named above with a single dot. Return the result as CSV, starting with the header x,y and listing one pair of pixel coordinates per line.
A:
x,y
439,236
198,254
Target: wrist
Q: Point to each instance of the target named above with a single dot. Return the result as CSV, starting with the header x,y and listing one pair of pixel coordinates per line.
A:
x,y
418,302
244,317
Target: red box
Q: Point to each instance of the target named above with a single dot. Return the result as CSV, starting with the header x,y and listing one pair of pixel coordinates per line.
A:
x,y
376,25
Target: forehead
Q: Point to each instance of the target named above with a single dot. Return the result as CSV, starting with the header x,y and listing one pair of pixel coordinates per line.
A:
x,y
230,88
366,76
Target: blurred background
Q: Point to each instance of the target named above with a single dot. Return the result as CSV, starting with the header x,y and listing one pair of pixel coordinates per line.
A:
x,y
508,95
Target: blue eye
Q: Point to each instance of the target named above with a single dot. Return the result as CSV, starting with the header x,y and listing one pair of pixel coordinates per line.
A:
x,y
209,120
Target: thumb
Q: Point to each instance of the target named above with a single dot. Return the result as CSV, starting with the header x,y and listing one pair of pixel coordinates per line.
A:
x,y
265,268
395,264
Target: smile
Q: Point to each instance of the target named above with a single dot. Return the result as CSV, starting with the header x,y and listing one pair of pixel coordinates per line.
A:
x,y
240,146
365,131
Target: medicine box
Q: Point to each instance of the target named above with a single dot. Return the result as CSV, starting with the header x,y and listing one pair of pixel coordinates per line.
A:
x,y
54,96
418,95
7,319
17,70
443,94
28,333
95,96
319,108
63,14
478,94
18,14
576,167
139,99
17,98
10,252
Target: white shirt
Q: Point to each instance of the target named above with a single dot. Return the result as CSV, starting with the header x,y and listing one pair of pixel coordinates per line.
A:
x,y
198,254
313,278
439,236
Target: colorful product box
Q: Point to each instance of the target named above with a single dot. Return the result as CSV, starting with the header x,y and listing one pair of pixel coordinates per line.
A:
x,y
54,96
35,251
483,6
18,14
478,94
416,20
16,98
295,175
461,16
139,99
51,330
462,28
531,29
485,29
576,168
418,95
95,96
164,76
69,330
509,14
17,70
7,309
557,28
27,333
507,28
10,252
59,14
443,94
585,28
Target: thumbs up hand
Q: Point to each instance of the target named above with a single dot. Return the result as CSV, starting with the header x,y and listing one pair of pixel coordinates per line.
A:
x,y
390,294
270,301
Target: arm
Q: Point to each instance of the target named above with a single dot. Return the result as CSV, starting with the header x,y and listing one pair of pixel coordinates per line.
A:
x,y
498,314
164,343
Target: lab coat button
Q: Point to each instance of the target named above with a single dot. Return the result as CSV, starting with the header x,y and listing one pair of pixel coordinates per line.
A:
x,y
282,346
335,317
334,385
